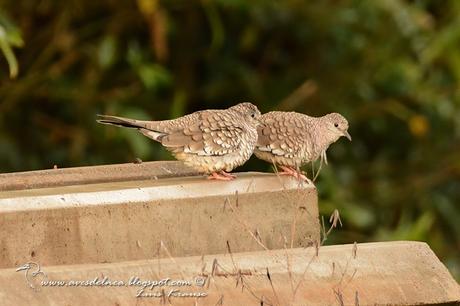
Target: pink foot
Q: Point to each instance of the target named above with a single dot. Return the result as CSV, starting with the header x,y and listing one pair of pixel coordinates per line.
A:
x,y
226,174
219,177
295,173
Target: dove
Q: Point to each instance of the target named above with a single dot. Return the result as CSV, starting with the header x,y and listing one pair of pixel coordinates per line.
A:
x,y
290,140
213,141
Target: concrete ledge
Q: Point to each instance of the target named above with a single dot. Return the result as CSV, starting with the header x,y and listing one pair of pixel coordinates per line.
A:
x,y
122,221
93,174
389,273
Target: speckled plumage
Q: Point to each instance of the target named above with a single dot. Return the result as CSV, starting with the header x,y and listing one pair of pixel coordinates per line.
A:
x,y
209,140
292,139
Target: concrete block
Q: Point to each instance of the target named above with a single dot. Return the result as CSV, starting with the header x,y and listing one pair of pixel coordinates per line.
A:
x,y
131,220
93,174
387,273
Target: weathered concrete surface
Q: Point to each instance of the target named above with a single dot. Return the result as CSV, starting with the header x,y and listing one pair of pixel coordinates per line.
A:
x,y
93,174
123,221
388,273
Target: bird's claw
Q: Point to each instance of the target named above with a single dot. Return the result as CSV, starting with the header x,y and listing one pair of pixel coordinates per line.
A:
x,y
221,176
295,173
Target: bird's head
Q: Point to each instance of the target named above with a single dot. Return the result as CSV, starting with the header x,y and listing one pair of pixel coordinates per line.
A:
x,y
249,111
337,126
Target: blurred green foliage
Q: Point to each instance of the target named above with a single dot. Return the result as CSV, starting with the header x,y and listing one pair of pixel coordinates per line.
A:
x,y
392,67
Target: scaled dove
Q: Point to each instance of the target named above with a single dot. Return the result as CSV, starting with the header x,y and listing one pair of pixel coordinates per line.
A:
x,y
290,139
211,141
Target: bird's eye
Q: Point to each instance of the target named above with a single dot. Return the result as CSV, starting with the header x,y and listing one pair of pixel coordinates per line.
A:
x,y
253,115
336,124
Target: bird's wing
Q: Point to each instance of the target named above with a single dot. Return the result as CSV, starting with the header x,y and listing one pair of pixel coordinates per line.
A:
x,y
282,135
215,133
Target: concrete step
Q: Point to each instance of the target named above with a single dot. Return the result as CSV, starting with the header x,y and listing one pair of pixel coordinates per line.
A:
x,y
93,174
387,273
129,220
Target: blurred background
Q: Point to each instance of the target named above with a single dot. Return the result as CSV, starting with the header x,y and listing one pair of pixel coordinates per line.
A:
x,y
392,67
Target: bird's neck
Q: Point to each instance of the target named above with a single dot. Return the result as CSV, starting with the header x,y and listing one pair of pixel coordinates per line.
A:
x,y
322,137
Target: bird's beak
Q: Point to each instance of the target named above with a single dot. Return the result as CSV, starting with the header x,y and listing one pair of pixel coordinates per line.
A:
x,y
346,134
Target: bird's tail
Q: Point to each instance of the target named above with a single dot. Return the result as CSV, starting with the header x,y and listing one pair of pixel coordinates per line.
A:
x,y
145,127
120,121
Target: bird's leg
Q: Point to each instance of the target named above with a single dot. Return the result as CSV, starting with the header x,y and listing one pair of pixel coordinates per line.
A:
x,y
226,174
295,173
302,176
219,177
287,171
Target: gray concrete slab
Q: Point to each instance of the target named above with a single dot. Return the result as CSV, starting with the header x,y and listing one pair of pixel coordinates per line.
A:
x,y
128,220
386,273
93,174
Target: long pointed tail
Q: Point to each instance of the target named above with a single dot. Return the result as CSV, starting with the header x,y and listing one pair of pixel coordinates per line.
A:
x,y
142,126
120,121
